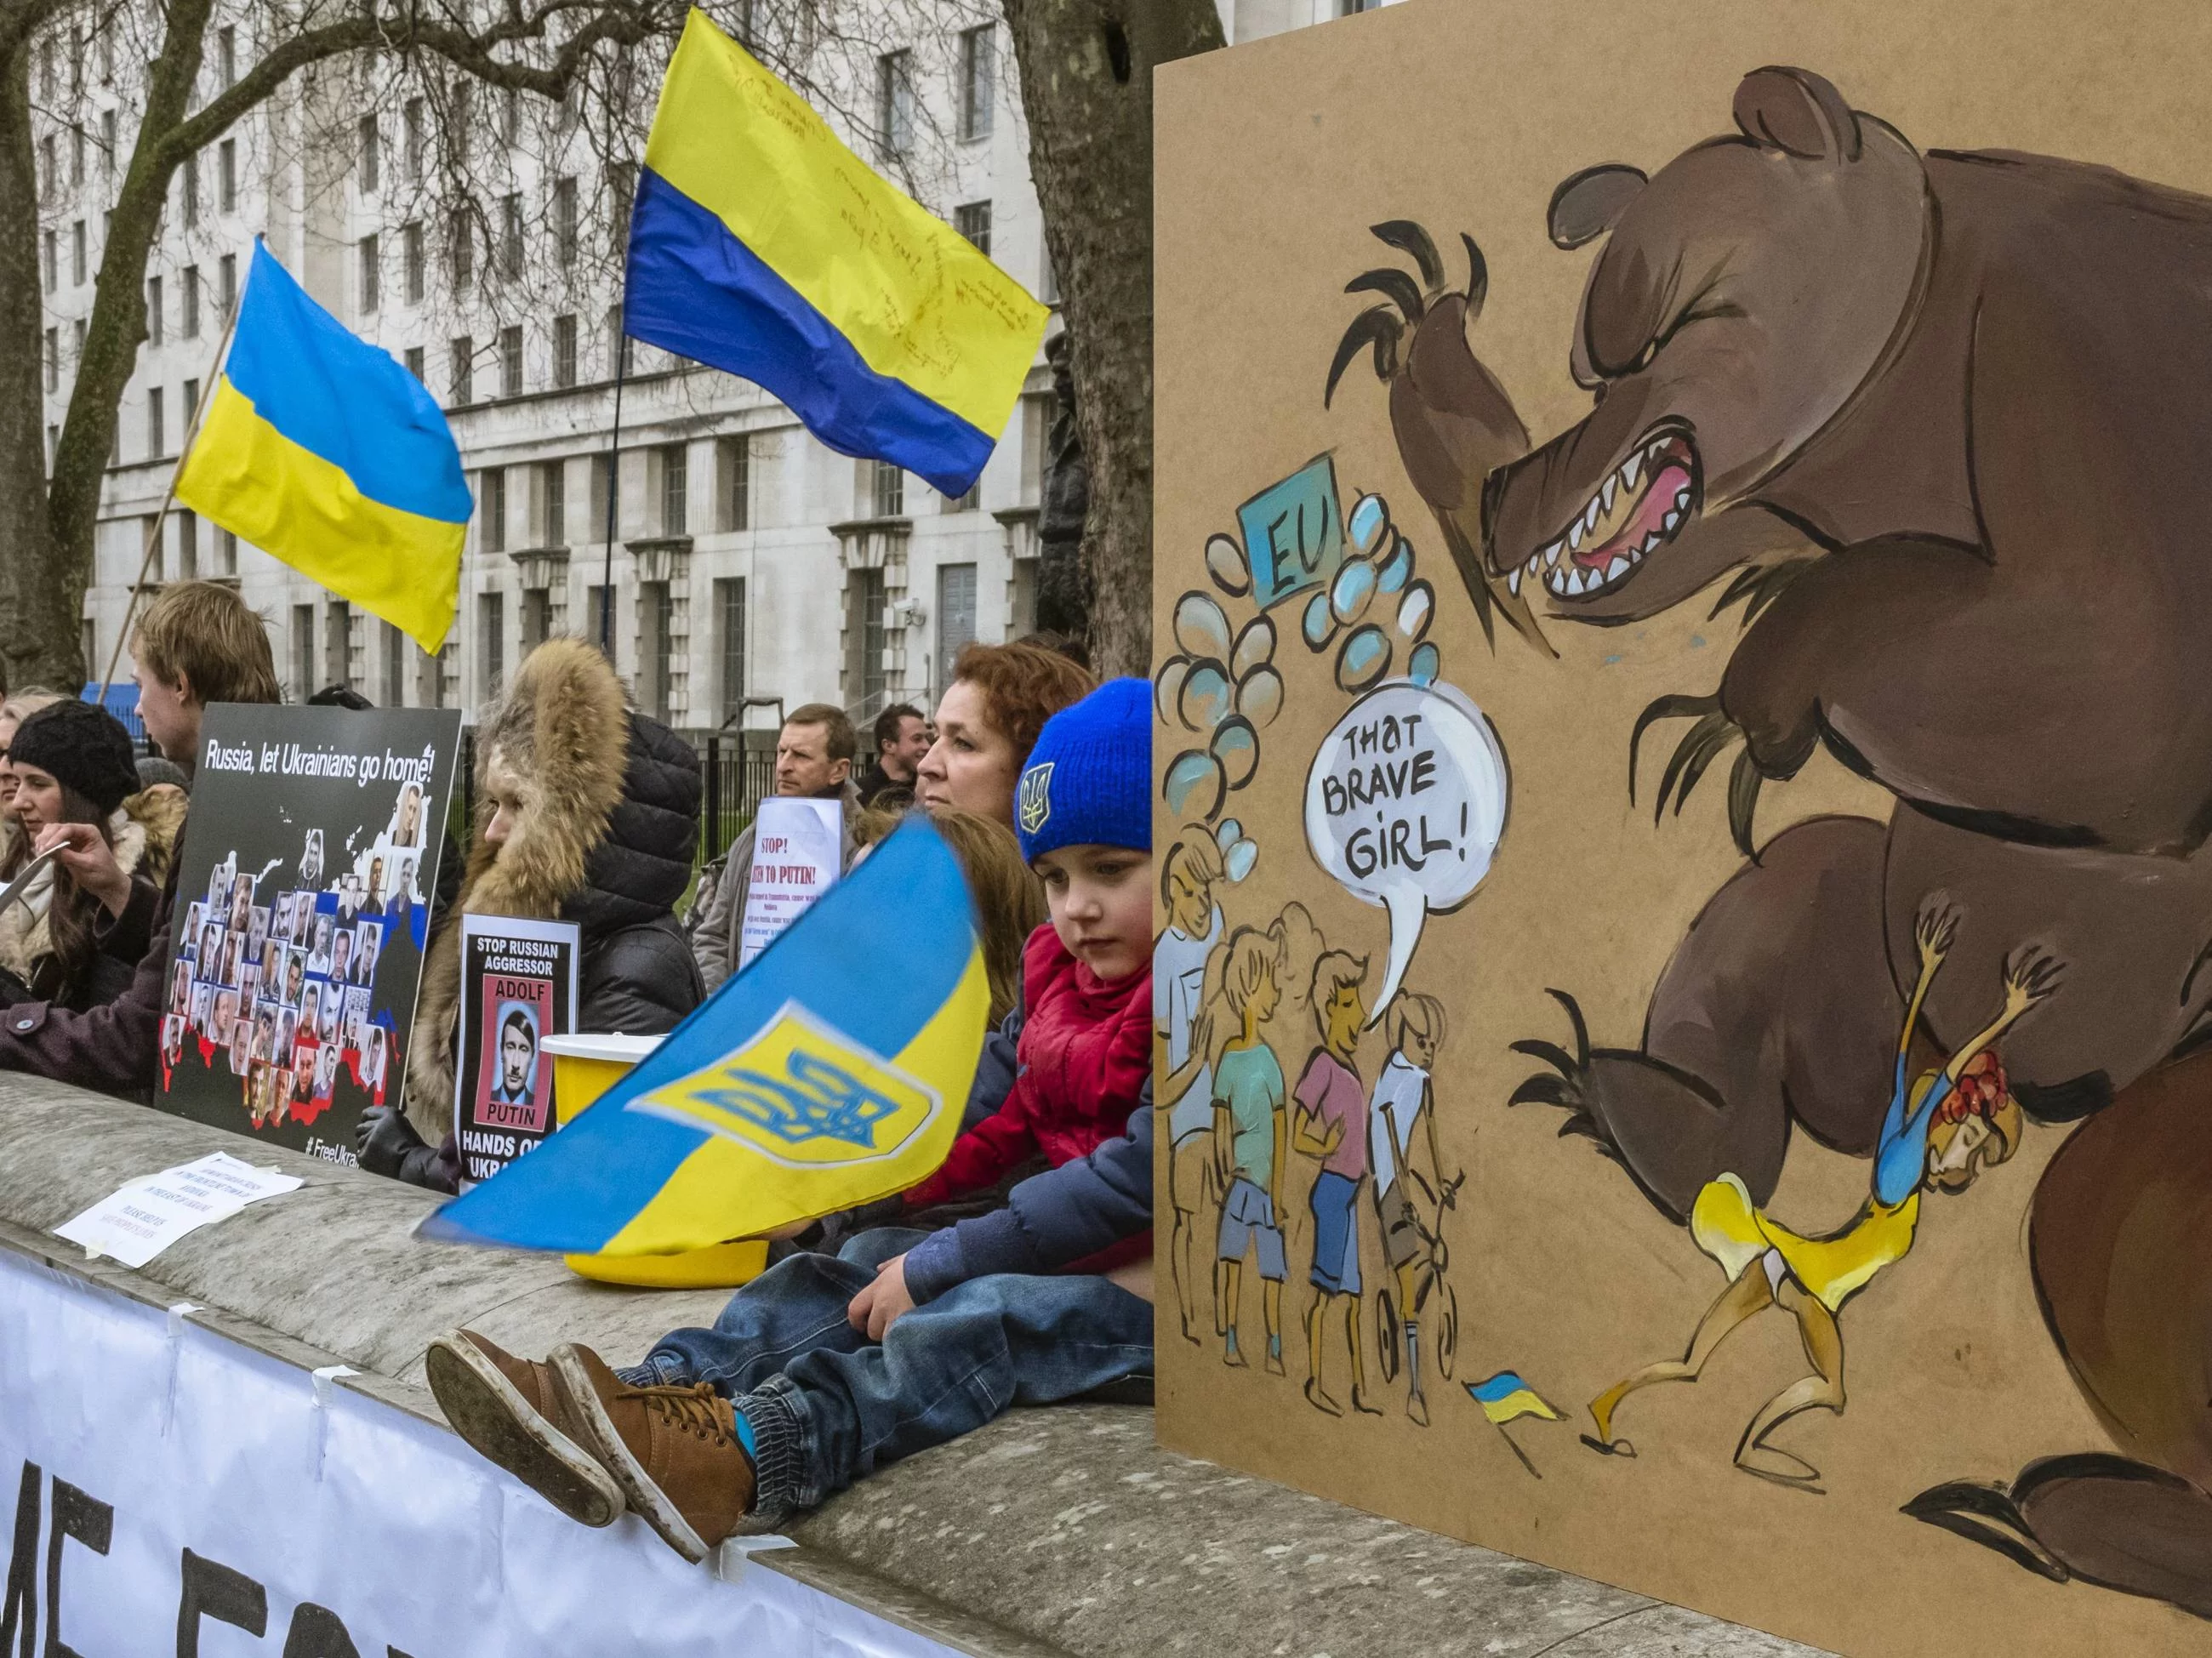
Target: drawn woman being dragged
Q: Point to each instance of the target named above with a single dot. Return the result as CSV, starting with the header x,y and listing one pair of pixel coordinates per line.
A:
x,y
1950,1127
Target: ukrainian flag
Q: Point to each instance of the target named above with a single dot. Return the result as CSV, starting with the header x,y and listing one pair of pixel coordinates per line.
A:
x,y
759,245
1505,1396
831,1071
319,449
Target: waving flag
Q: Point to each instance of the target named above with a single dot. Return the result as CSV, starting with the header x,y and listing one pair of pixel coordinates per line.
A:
x,y
319,449
759,245
831,1071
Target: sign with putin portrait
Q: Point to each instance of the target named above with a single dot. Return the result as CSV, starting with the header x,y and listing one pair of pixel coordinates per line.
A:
x,y
518,987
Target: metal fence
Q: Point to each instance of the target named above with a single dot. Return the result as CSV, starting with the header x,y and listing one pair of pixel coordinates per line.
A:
x,y
737,769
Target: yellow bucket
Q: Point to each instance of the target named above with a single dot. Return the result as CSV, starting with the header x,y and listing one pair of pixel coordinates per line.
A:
x,y
585,1067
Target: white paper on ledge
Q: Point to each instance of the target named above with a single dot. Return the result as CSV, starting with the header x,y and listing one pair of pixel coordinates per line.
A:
x,y
145,1216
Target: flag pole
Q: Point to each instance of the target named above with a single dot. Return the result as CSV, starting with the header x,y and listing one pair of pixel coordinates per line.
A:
x,y
614,438
169,495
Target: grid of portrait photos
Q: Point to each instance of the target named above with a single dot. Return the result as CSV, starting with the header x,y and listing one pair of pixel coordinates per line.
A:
x,y
275,969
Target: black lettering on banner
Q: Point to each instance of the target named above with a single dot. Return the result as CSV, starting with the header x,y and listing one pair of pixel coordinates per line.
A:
x,y
316,1632
212,1590
22,1600
91,1522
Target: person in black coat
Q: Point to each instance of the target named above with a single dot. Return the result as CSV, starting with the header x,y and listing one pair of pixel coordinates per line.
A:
x,y
587,812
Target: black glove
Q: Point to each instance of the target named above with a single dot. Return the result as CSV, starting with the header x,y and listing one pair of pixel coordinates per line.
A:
x,y
384,1138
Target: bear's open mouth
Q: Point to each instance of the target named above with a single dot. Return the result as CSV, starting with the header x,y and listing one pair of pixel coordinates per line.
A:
x,y
1640,508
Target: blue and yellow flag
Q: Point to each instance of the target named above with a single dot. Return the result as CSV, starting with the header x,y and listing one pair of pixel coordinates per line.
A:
x,y
759,245
1505,1396
319,449
831,1071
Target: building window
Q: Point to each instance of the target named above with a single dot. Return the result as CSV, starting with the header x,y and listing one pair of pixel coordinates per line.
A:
x,y
190,188
337,642
622,194
599,503
510,361
463,359
491,643
734,456
968,502
370,275
886,484
76,341
77,155
226,55
674,463
53,360
416,263
154,311
188,545
459,126
564,351
465,251
510,236
226,175
865,681
597,630
192,402
955,612
226,553
157,443
973,221
303,651
371,154
52,261
413,121
656,612
730,646
978,80
395,669
49,170
227,283
564,220
190,329
77,265
493,504
107,141
536,618
553,485
895,102
621,350
510,116
414,361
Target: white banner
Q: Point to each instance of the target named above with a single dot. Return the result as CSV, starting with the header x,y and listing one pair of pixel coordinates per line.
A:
x,y
165,1491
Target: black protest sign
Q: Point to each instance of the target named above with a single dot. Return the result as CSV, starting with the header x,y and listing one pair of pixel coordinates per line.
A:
x,y
302,912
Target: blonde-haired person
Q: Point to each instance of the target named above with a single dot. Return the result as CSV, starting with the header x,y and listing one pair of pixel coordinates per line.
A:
x,y
1191,871
197,644
1249,1141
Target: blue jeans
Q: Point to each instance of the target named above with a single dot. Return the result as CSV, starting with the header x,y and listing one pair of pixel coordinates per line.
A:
x,y
827,1406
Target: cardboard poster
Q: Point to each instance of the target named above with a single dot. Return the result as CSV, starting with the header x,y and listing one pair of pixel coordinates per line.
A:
x,y
518,987
303,906
1685,771
796,858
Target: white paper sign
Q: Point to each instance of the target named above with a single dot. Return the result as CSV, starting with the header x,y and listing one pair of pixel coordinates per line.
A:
x,y
146,1215
797,847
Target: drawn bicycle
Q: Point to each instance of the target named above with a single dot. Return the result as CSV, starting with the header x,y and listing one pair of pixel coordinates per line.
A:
x,y
1428,1281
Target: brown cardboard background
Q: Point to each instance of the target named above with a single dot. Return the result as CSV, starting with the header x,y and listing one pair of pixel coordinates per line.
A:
x,y
1274,160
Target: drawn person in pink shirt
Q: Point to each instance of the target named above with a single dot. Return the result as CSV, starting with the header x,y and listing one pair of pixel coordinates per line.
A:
x,y
1330,1123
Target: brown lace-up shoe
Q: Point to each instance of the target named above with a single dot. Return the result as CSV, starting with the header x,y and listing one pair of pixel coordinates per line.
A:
x,y
674,1451
510,1411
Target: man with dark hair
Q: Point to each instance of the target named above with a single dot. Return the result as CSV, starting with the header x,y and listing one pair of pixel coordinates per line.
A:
x,y
197,644
901,738
813,757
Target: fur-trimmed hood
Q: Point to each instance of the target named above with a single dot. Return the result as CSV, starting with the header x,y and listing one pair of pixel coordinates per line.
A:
x,y
609,818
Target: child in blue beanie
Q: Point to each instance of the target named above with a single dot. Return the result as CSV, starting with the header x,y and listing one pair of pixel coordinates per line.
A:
x,y
828,1365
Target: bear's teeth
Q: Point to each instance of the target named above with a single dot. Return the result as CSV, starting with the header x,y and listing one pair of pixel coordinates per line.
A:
x,y
1617,568
1513,584
1673,518
1604,497
1630,468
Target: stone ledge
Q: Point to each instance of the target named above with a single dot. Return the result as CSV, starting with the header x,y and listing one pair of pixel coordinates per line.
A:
x,y
1057,1532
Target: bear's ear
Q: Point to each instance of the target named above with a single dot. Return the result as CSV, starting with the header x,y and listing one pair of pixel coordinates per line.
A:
x,y
1585,207
1797,111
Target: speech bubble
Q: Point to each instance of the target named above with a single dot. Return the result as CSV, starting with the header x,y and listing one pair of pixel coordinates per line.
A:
x,y
1405,804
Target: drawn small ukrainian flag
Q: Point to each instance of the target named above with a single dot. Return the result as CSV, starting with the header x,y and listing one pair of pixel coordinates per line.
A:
x,y
759,245
319,449
1505,1397
833,1070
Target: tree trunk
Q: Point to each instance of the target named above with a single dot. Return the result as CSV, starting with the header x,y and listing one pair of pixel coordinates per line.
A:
x,y
1087,74
23,347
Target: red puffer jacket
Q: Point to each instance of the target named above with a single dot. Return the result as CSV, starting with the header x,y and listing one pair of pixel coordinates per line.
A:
x,y
1085,1052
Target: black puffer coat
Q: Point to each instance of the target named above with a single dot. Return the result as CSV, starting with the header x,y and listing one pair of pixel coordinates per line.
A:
x,y
637,975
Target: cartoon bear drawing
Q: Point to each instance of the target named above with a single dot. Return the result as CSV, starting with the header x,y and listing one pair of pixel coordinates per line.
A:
x,y
1939,418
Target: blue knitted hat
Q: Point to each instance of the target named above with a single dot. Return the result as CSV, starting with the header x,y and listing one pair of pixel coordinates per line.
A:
x,y
1089,781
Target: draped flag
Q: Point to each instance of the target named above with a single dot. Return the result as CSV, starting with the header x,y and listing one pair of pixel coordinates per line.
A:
x,y
831,1071
319,449
759,245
